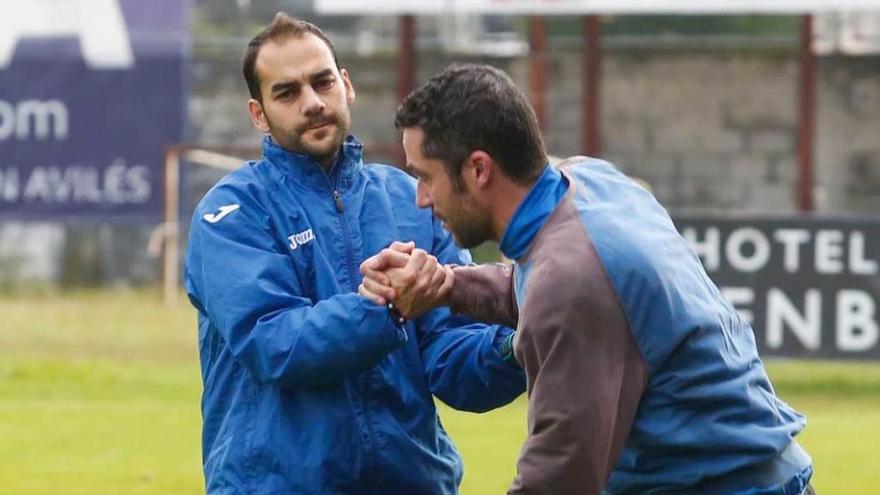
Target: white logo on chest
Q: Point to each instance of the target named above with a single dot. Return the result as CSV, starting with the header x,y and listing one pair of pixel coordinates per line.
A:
x,y
304,237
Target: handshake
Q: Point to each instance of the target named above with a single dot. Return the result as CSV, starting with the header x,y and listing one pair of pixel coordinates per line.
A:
x,y
407,276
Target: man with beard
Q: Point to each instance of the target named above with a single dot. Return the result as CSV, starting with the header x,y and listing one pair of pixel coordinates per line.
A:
x,y
641,377
308,386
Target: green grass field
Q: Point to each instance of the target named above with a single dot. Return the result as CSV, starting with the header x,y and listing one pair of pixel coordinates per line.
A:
x,y
99,394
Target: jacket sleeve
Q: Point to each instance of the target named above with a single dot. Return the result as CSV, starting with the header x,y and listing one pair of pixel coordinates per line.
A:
x,y
463,359
586,376
485,293
239,275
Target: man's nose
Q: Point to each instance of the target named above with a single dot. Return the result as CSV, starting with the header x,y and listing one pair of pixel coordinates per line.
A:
x,y
423,199
312,103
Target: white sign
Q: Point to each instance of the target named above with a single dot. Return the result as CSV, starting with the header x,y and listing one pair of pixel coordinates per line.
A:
x,y
98,24
851,33
367,7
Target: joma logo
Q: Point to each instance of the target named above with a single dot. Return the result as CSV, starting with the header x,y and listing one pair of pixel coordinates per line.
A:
x,y
304,237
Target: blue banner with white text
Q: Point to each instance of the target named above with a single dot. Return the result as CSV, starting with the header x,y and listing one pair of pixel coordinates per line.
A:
x,y
92,93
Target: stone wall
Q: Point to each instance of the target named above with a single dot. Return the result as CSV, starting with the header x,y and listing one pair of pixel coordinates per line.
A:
x,y
848,135
717,130
711,130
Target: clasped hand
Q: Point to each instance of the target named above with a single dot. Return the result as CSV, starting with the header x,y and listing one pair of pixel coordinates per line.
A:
x,y
407,276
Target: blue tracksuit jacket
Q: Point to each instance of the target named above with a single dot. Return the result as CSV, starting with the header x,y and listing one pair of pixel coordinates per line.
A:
x,y
310,388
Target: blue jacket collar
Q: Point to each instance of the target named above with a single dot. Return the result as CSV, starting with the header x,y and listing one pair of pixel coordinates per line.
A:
x,y
304,170
531,214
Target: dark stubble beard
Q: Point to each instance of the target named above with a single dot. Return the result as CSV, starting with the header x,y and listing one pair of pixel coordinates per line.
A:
x,y
469,224
293,140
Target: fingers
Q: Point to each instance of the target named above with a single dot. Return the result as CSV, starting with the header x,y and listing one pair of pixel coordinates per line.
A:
x,y
377,275
394,256
402,247
408,276
377,283
379,290
437,278
422,283
417,260
389,258
362,290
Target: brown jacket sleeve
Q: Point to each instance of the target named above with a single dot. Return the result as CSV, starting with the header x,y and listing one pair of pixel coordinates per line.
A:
x,y
485,293
585,371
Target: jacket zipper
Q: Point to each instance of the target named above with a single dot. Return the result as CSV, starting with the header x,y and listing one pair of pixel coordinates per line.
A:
x,y
340,209
339,206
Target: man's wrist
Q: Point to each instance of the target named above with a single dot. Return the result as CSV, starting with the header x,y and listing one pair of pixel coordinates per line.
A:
x,y
395,314
444,295
505,348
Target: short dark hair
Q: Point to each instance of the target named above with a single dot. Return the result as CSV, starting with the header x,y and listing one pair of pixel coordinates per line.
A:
x,y
476,107
282,27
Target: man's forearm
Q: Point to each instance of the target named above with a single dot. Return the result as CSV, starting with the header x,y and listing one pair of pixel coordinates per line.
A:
x,y
485,293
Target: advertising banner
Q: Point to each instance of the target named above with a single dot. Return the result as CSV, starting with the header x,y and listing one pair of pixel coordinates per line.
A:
x,y
92,92
810,287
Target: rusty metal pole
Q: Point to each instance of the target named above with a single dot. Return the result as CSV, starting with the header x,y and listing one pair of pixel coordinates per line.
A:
x,y
806,116
592,85
538,68
406,66
171,228
406,60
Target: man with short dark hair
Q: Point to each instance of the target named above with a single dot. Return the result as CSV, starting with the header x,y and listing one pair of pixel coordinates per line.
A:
x,y
310,388
641,377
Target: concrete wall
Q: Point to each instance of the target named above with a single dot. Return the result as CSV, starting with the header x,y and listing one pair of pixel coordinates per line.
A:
x,y
848,151
717,130
709,129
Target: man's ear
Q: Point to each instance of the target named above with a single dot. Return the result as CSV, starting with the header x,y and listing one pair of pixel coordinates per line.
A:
x,y
258,116
479,169
349,88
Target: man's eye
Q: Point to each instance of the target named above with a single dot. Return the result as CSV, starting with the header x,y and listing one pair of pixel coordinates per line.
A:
x,y
325,83
283,95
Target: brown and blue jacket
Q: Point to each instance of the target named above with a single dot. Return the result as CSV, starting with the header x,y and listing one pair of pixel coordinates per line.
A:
x,y
642,378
